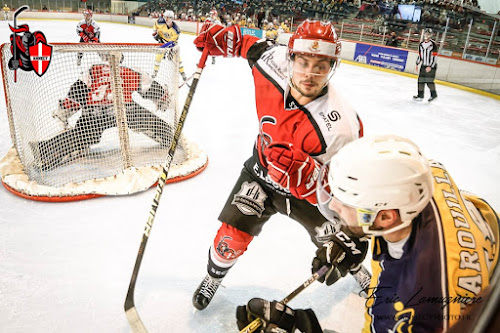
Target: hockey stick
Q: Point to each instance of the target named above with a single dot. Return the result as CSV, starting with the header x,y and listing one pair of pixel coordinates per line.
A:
x,y
254,325
187,79
130,310
362,276
14,46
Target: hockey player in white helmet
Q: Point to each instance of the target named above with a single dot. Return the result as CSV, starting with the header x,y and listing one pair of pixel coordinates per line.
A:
x,y
167,32
303,120
88,30
435,248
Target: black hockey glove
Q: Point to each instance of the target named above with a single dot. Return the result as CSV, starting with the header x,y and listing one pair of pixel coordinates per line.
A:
x,y
344,253
276,317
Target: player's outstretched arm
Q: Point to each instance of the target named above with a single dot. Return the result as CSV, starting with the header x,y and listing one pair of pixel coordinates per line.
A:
x,y
220,41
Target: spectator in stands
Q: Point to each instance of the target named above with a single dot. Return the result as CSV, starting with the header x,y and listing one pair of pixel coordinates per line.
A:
x,y
250,23
271,32
378,26
392,40
261,16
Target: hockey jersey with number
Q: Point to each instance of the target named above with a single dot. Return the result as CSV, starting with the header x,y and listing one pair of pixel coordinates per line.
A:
x,y
320,128
447,260
90,30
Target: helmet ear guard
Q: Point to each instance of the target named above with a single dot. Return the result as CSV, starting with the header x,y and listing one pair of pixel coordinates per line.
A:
x,y
379,173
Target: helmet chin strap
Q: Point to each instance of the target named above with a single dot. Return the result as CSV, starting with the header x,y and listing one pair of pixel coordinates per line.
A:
x,y
368,231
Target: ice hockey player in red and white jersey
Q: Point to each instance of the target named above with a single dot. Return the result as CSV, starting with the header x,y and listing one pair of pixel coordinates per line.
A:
x,y
88,30
213,18
93,97
303,121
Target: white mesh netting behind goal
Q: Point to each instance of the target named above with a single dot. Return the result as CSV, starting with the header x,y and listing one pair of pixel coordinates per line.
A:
x,y
99,121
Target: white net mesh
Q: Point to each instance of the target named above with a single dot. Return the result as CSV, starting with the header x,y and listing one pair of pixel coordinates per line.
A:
x,y
98,110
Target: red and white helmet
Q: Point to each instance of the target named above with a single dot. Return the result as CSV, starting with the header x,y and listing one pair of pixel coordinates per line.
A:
x,y
87,14
315,38
213,13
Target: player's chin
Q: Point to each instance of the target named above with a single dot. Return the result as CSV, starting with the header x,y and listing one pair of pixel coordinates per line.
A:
x,y
309,90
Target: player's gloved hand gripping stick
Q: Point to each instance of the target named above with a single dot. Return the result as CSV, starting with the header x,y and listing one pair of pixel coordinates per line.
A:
x,y
254,325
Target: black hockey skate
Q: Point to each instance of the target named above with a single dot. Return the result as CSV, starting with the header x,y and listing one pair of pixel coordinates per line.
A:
x,y
205,292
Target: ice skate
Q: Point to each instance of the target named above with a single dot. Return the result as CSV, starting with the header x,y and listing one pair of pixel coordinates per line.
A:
x,y
205,292
417,98
432,98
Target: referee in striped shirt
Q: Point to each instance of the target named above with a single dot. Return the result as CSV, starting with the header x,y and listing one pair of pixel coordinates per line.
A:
x,y
427,57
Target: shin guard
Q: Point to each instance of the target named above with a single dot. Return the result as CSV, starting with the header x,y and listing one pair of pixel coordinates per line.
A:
x,y
229,244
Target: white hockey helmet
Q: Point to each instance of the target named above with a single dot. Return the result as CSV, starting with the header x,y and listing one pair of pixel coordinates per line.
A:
x,y
213,13
168,14
377,173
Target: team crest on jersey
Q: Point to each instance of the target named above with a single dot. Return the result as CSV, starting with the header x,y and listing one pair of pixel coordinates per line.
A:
x,y
326,231
250,199
30,51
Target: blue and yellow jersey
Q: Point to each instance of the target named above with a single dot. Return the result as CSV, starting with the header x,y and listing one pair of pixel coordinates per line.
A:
x,y
168,34
272,33
448,259
284,27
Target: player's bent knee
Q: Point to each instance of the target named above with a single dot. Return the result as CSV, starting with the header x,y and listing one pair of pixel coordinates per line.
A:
x,y
230,243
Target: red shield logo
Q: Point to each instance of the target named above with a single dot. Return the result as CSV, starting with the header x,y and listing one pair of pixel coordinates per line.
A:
x,y
40,56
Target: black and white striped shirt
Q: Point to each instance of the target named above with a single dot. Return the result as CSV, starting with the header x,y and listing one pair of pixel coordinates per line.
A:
x,y
427,54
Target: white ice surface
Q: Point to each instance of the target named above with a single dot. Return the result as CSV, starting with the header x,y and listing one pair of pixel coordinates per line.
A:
x,y
66,267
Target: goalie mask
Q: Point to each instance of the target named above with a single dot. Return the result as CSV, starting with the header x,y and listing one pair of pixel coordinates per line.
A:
x,y
373,174
87,14
312,42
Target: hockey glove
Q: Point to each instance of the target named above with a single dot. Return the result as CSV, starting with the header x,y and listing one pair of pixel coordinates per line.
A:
x,y
220,41
344,253
94,40
293,169
84,37
276,317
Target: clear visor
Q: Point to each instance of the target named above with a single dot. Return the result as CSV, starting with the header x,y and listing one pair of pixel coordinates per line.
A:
x,y
365,217
319,66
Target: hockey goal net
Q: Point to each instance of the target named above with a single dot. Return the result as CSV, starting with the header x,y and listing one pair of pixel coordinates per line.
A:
x,y
99,121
